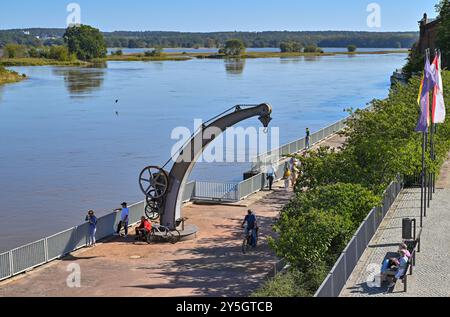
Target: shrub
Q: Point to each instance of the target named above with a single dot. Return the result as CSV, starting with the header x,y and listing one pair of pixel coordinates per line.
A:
x,y
14,51
312,49
291,46
117,53
59,53
293,283
234,47
351,48
317,224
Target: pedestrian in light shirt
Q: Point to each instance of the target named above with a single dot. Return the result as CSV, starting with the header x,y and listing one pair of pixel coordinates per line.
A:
x,y
124,217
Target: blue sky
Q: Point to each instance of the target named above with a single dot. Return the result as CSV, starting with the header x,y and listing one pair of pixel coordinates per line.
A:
x,y
212,15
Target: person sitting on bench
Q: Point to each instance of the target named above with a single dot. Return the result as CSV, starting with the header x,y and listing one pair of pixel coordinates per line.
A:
x,y
144,228
389,265
401,268
403,246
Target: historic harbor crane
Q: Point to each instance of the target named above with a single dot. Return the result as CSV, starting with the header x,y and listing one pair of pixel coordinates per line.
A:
x,y
164,190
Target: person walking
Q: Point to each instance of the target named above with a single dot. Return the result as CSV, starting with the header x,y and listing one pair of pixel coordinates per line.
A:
x,y
271,176
308,139
287,177
294,171
124,216
92,219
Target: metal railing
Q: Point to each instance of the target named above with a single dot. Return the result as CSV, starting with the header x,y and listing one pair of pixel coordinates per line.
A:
x,y
234,192
297,145
340,273
27,257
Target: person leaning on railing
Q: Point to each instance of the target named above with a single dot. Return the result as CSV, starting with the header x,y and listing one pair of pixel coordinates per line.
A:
x,y
92,219
124,217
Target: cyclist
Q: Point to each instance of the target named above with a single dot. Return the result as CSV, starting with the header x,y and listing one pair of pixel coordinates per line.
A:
x,y
252,225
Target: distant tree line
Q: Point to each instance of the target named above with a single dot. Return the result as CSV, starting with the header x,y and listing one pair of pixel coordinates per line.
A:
x,y
78,42
150,39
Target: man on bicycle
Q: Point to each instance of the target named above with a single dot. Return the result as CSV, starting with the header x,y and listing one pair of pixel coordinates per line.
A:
x,y
252,226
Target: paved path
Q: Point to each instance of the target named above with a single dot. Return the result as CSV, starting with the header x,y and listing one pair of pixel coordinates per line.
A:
x,y
432,274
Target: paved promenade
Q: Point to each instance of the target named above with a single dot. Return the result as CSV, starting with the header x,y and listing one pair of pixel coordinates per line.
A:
x,y
432,274
211,265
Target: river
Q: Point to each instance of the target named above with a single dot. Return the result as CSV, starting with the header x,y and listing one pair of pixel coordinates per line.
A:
x,y
64,149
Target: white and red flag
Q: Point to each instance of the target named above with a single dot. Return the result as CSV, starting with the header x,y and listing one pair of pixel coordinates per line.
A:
x,y
438,109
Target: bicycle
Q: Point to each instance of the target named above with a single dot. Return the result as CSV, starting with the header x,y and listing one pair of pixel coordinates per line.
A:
x,y
159,232
248,239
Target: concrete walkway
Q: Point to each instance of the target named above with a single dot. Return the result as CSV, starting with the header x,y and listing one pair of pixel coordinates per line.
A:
x,y
432,274
211,265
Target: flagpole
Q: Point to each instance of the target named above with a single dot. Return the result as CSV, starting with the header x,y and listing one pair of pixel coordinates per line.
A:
x,y
422,181
425,178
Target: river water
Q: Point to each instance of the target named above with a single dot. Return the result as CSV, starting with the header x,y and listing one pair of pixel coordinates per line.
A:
x,y
64,149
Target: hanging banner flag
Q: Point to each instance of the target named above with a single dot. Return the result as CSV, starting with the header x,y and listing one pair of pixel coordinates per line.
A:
x,y
428,83
438,110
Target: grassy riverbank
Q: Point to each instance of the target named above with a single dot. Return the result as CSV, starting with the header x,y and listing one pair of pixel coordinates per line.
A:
x,y
143,58
291,54
29,61
337,189
8,76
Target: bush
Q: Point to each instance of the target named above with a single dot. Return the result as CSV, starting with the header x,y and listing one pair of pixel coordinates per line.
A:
x,y
14,51
291,46
351,48
117,53
293,283
157,51
312,49
59,53
233,47
316,225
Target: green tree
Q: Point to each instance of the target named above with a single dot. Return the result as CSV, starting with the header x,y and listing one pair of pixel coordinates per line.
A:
x,y
60,53
291,46
312,48
117,53
14,50
317,224
157,51
443,38
351,48
415,62
234,47
85,42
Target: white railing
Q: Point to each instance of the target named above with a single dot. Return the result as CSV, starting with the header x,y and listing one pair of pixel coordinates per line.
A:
x,y
27,257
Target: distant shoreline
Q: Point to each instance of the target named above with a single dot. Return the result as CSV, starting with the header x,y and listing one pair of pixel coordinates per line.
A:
x,y
175,56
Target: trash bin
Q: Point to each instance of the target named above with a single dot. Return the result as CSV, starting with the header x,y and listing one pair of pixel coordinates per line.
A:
x,y
407,229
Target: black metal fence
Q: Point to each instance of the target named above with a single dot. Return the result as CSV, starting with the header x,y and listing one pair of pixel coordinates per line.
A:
x,y
340,273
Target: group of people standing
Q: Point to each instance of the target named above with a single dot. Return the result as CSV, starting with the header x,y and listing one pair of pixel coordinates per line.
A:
x,y
92,220
292,169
